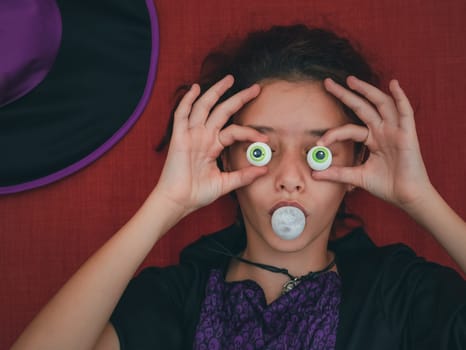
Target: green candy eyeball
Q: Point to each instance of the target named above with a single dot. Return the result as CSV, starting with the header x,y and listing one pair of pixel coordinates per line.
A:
x,y
319,158
259,154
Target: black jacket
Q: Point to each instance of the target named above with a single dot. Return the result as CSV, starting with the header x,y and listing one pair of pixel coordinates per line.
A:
x,y
391,299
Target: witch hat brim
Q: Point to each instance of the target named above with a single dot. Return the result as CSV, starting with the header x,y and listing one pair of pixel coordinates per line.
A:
x,y
95,86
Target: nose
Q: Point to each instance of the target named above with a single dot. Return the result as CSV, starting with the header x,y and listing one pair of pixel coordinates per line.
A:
x,y
291,171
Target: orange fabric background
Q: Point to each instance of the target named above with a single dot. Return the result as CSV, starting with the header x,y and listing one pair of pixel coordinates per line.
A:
x,y
47,233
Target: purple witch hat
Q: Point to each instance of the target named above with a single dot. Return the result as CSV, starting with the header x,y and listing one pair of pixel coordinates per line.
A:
x,y
74,77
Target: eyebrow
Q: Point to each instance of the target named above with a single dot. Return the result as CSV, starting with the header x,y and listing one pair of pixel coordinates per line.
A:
x,y
269,130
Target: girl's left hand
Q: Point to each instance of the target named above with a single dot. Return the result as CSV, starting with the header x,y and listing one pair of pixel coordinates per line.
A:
x,y
394,170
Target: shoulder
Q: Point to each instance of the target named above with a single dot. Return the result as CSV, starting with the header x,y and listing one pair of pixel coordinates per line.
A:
x,y
159,307
357,253
397,294
390,266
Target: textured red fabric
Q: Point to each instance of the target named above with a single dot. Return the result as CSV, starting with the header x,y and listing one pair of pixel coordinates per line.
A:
x,y
47,233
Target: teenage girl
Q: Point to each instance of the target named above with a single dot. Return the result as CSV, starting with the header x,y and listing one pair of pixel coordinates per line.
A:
x,y
251,286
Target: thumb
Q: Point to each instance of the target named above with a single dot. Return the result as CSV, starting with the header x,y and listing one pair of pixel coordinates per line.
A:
x,y
242,177
346,175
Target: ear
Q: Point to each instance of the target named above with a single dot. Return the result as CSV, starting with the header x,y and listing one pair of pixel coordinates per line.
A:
x,y
361,156
223,160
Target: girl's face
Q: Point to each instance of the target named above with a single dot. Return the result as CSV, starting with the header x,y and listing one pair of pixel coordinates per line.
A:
x,y
293,115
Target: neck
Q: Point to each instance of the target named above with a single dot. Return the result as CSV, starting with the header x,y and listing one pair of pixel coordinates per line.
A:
x,y
312,257
265,265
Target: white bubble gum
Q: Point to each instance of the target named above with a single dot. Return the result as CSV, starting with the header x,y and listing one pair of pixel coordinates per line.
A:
x,y
288,222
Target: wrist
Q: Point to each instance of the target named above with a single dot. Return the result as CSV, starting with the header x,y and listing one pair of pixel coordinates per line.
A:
x,y
420,200
161,200
428,204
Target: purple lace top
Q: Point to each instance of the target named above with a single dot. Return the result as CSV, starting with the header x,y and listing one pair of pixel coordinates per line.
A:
x,y
235,315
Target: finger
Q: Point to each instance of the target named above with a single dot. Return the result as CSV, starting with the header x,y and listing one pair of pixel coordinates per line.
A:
x,y
383,102
242,177
404,107
346,132
204,104
234,133
346,175
226,109
362,108
180,117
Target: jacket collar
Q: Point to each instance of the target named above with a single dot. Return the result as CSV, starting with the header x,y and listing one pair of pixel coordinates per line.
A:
x,y
209,250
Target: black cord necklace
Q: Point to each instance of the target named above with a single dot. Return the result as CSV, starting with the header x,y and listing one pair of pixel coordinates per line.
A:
x,y
293,280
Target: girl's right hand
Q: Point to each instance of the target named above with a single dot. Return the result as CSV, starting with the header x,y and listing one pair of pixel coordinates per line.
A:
x,y
191,178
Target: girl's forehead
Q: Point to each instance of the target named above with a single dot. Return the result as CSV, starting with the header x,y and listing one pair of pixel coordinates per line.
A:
x,y
293,106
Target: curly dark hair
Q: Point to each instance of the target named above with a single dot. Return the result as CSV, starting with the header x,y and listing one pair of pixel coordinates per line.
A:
x,y
292,53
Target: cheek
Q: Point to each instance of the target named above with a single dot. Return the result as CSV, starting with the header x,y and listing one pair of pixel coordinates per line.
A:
x,y
251,197
329,195
252,191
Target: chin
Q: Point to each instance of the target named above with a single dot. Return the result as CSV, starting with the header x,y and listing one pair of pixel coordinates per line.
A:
x,y
303,241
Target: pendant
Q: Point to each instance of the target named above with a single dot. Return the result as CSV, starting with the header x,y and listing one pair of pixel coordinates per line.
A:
x,y
289,285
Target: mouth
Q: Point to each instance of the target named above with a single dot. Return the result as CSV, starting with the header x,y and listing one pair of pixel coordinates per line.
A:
x,y
288,204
